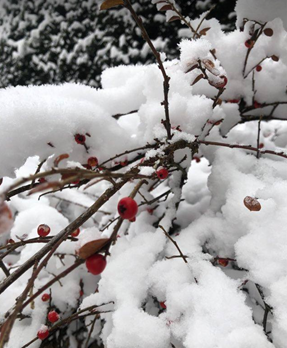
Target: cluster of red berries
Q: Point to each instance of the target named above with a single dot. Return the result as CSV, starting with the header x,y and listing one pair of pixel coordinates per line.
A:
x,y
53,317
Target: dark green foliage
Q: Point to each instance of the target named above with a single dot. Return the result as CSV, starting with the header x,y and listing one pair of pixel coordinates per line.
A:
x,y
55,41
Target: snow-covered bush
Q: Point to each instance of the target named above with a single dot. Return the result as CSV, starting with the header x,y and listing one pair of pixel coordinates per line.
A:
x,y
196,148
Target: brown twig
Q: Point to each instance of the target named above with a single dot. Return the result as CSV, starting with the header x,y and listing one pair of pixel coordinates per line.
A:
x,y
175,244
166,78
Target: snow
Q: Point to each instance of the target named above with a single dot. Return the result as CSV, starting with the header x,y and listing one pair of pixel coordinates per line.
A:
x,y
201,202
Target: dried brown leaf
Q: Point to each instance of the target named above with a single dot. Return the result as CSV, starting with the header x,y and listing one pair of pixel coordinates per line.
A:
x,y
204,31
173,18
164,7
60,158
92,247
209,65
199,77
107,4
46,186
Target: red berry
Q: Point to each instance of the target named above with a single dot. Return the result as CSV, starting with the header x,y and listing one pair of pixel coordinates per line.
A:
x,y
256,105
258,68
261,145
150,211
53,316
43,332
127,208
75,233
196,158
124,163
93,161
222,262
80,139
96,264
249,43
43,230
81,293
45,297
162,173
42,180
235,101
162,304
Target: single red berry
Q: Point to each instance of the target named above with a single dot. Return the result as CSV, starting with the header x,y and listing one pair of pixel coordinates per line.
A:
x,y
53,316
196,158
256,105
150,211
93,161
133,219
249,43
124,163
96,264
43,332
43,230
45,297
162,304
42,180
81,293
162,173
258,68
261,145
75,233
80,139
127,208
222,262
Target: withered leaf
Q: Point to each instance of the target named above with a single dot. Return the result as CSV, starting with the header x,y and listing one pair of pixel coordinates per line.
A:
x,y
92,247
251,203
209,65
173,18
190,66
204,31
45,186
60,158
199,77
165,7
107,4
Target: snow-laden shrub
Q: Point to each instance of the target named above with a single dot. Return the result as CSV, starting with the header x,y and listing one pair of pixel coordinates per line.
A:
x,y
204,263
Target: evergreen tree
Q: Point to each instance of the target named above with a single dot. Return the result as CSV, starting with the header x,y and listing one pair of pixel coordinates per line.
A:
x,y
56,41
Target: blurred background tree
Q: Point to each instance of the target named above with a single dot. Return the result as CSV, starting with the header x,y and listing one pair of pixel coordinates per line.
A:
x,y
56,41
